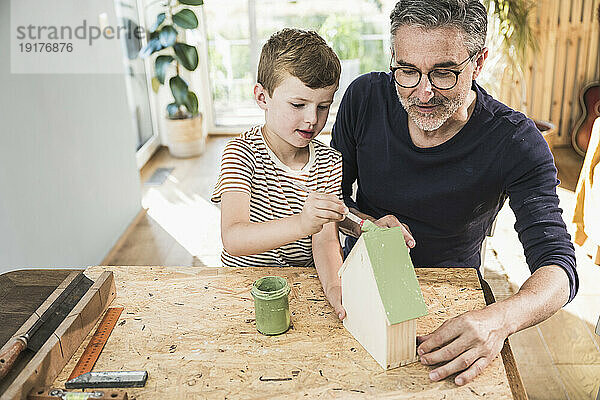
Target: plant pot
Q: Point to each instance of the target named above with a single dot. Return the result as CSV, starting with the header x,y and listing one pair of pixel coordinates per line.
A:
x,y
548,131
185,137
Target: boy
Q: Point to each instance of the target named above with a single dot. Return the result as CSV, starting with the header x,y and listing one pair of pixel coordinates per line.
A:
x,y
267,219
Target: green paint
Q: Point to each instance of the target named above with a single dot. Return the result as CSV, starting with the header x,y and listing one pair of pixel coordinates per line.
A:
x,y
271,305
395,275
369,226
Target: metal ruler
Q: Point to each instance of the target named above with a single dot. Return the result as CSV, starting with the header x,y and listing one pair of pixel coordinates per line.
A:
x,y
94,348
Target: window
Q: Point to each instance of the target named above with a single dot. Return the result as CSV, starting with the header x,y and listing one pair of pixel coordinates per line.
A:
x,y
358,31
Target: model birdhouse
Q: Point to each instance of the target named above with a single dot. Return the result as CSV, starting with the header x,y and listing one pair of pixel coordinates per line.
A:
x,y
382,297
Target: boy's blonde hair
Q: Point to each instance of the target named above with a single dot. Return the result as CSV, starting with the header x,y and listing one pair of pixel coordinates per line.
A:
x,y
300,53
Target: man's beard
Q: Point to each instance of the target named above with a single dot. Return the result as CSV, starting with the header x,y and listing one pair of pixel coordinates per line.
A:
x,y
446,107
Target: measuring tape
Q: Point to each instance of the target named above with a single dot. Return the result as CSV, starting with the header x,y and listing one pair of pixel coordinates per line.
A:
x,y
94,348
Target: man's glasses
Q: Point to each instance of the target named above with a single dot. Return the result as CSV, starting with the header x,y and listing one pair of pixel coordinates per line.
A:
x,y
440,78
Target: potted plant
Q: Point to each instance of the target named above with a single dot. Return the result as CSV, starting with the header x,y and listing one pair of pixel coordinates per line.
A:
x,y
185,136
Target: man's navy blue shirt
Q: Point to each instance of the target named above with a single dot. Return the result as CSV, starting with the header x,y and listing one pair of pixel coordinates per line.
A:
x,y
450,194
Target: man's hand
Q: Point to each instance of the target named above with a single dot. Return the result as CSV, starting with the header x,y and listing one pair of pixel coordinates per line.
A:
x,y
468,343
390,221
334,296
320,209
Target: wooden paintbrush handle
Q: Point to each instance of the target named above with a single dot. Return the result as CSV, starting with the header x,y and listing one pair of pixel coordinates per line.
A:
x,y
8,358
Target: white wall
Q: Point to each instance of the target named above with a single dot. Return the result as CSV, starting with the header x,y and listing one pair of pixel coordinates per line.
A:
x,y
69,185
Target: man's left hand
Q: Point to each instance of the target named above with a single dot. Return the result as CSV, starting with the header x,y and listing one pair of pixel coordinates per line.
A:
x,y
467,343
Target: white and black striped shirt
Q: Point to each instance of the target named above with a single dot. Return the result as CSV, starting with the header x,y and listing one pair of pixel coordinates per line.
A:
x,y
248,165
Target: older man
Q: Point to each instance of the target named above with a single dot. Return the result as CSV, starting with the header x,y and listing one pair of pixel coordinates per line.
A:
x,y
429,148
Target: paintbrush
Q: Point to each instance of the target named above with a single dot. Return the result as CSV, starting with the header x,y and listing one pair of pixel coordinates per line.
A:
x,y
351,216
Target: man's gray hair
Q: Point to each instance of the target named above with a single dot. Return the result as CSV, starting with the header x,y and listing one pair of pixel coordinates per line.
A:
x,y
469,16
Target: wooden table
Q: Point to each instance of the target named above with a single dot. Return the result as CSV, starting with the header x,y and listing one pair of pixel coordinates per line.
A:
x,y
193,330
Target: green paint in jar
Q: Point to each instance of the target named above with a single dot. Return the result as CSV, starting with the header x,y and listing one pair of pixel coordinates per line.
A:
x,y
271,305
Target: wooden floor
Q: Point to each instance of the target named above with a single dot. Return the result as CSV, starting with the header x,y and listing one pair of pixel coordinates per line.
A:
x,y
558,359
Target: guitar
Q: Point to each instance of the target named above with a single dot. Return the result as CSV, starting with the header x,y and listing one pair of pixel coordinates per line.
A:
x,y
590,104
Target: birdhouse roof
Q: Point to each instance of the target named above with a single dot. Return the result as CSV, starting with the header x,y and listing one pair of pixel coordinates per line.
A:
x,y
395,275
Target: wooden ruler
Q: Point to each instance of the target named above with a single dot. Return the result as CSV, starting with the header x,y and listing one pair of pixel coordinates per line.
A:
x,y
94,348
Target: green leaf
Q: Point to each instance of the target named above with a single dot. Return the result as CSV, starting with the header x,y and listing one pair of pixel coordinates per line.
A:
x,y
155,84
187,55
172,110
186,19
152,47
192,103
192,2
160,66
168,35
160,18
179,89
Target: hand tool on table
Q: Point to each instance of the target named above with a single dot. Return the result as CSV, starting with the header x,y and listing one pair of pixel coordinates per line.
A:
x,y
43,328
54,394
82,377
96,344
351,216
108,379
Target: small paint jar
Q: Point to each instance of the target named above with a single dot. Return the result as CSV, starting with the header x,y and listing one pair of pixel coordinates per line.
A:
x,y
271,305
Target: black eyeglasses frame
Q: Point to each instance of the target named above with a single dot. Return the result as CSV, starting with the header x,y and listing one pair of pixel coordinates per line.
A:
x,y
455,72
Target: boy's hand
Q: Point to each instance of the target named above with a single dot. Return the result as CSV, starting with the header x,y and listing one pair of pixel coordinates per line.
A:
x,y
320,209
334,296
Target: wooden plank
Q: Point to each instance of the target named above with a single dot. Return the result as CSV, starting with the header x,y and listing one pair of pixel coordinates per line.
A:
x,y
510,365
581,380
538,62
37,277
570,98
567,43
51,348
47,363
568,339
70,335
587,308
584,54
576,18
550,66
540,376
560,67
368,311
592,67
43,307
198,338
512,373
401,344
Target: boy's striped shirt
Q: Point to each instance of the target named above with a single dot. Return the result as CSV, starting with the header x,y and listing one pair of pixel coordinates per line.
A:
x,y
248,165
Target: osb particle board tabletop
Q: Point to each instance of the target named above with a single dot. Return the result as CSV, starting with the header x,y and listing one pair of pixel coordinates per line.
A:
x,y
193,330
